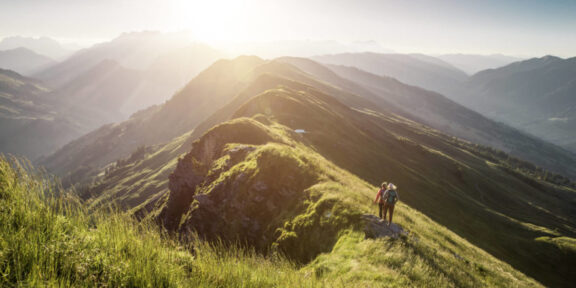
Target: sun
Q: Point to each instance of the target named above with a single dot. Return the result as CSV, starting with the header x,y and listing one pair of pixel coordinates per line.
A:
x,y
211,20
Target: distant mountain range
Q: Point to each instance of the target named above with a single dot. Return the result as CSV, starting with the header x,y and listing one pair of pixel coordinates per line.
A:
x,y
472,64
413,69
535,95
29,123
24,61
531,95
138,51
43,46
93,88
302,48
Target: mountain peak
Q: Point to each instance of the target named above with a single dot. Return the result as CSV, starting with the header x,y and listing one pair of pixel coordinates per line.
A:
x,y
42,45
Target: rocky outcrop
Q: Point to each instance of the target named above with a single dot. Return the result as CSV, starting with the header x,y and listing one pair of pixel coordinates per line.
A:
x,y
192,171
241,184
375,227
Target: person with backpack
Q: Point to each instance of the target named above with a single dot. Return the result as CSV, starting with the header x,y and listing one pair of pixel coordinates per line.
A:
x,y
390,198
380,198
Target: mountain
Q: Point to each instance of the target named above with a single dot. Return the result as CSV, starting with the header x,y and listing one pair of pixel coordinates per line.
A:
x,y
42,45
413,69
473,64
113,80
281,173
24,61
439,112
534,95
97,90
480,193
29,122
106,89
216,93
360,142
302,48
205,94
137,50
323,212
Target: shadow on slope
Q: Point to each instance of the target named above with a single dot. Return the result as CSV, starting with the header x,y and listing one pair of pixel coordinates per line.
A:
x,y
258,182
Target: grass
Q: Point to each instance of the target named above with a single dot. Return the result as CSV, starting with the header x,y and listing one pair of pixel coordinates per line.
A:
x,y
327,222
500,205
480,200
48,238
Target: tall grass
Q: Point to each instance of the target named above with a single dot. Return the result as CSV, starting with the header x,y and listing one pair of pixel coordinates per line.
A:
x,y
48,238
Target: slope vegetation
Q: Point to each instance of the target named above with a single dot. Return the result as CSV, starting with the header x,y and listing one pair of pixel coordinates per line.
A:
x,y
499,203
49,238
256,181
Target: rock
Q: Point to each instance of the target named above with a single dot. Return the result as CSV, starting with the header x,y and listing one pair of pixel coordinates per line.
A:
x,y
374,228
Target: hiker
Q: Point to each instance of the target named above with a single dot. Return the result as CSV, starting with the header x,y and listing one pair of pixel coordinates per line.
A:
x,y
390,198
380,198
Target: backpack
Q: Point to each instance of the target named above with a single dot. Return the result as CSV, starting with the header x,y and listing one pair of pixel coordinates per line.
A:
x,y
392,197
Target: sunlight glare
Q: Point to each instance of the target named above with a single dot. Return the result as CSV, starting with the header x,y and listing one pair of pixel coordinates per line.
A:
x,y
211,20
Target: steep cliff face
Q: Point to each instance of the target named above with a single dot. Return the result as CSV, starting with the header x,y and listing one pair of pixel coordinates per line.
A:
x,y
244,181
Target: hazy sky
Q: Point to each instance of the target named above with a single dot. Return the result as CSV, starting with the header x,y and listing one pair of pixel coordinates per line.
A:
x,y
515,27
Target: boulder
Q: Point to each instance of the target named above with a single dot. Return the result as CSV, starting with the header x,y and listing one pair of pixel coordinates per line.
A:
x,y
375,227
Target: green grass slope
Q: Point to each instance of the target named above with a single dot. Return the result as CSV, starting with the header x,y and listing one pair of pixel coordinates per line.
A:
x,y
49,239
507,207
494,201
255,181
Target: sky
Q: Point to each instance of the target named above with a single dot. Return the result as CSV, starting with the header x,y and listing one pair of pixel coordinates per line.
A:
x,y
511,27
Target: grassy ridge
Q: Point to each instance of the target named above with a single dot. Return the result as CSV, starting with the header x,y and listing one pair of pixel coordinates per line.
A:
x,y
50,239
498,207
430,255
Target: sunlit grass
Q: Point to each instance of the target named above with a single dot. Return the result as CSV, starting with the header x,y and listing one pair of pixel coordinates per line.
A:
x,y
49,239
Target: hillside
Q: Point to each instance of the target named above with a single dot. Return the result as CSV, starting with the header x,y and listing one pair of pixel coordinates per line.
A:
x,y
487,191
24,61
29,123
484,194
473,64
50,239
216,93
439,112
255,181
206,93
417,69
93,90
59,231
534,95
105,90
